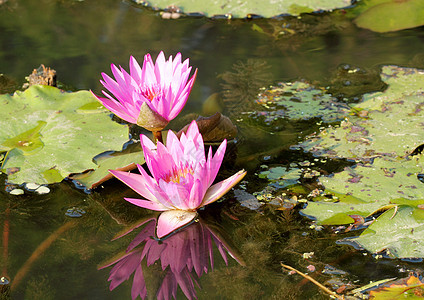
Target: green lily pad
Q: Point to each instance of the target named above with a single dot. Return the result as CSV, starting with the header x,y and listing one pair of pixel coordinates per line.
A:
x,y
117,161
388,123
366,188
281,177
240,9
395,233
405,288
299,101
48,134
392,16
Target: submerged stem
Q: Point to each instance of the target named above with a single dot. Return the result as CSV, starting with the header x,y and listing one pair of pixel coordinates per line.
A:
x,y
325,289
38,252
157,135
5,241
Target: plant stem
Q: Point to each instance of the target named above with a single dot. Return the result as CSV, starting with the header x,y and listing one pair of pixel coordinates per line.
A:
x,y
157,135
5,240
328,291
38,252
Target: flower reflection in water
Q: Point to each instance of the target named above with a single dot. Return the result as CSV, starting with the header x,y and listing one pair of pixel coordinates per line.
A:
x,y
184,257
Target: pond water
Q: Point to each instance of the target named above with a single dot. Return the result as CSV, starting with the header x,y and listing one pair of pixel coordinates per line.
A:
x,y
54,244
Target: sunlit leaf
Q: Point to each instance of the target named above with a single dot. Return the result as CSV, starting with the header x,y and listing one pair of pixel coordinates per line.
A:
x,y
118,161
388,123
299,101
405,288
281,177
366,188
394,233
47,137
392,16
240,9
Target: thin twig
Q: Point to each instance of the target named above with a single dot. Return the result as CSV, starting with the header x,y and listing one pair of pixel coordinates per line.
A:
x,y
325,289
38,252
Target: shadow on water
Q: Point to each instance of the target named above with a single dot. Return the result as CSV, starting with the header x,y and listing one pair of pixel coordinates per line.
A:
x,y
50,253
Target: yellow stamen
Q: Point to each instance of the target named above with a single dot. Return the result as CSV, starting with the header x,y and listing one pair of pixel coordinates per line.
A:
x,y
176,173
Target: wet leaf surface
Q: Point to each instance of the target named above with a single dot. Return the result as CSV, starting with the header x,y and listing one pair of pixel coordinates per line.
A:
x,y
392,15
388,179
47,136
405,288
388,123
366,188
241,9
117,161
397,233
298,101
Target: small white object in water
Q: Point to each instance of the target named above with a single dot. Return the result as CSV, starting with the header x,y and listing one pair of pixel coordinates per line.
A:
x,y
308,255
32,186
43,190
17,192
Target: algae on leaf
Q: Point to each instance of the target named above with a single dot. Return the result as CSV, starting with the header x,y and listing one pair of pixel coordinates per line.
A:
x,y
281,177
299,101
398,233
48,134
366,188
405,288
241,9
380,134
388,123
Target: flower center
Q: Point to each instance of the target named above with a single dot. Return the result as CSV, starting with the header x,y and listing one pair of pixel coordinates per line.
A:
x,y
151,92
177,173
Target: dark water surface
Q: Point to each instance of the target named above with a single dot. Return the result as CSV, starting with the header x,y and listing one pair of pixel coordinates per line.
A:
x,y
49,254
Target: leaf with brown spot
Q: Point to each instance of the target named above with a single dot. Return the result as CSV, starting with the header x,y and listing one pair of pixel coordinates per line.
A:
x,y
405,288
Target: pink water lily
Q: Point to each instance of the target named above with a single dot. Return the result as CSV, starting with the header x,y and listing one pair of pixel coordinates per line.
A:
x,y
150,96
182,178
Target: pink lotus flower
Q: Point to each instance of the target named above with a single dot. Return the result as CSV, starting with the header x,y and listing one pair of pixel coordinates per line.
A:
x,y
182,178
150,96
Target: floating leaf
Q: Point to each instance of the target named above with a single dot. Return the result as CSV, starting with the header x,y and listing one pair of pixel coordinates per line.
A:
x,y
366,188
388,123
382,132
392,16
300,101
281,177
405,288
47,137
117,161
240,9
395,233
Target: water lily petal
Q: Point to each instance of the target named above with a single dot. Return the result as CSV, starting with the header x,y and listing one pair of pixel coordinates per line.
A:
x,y
163,86
196,195
177,194
219,189
172,220
135,69
185,93
135,182
147,204
115,107
213,164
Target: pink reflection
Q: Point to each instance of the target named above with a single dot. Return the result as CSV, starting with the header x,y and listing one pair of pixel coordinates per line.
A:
x,y
183,257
